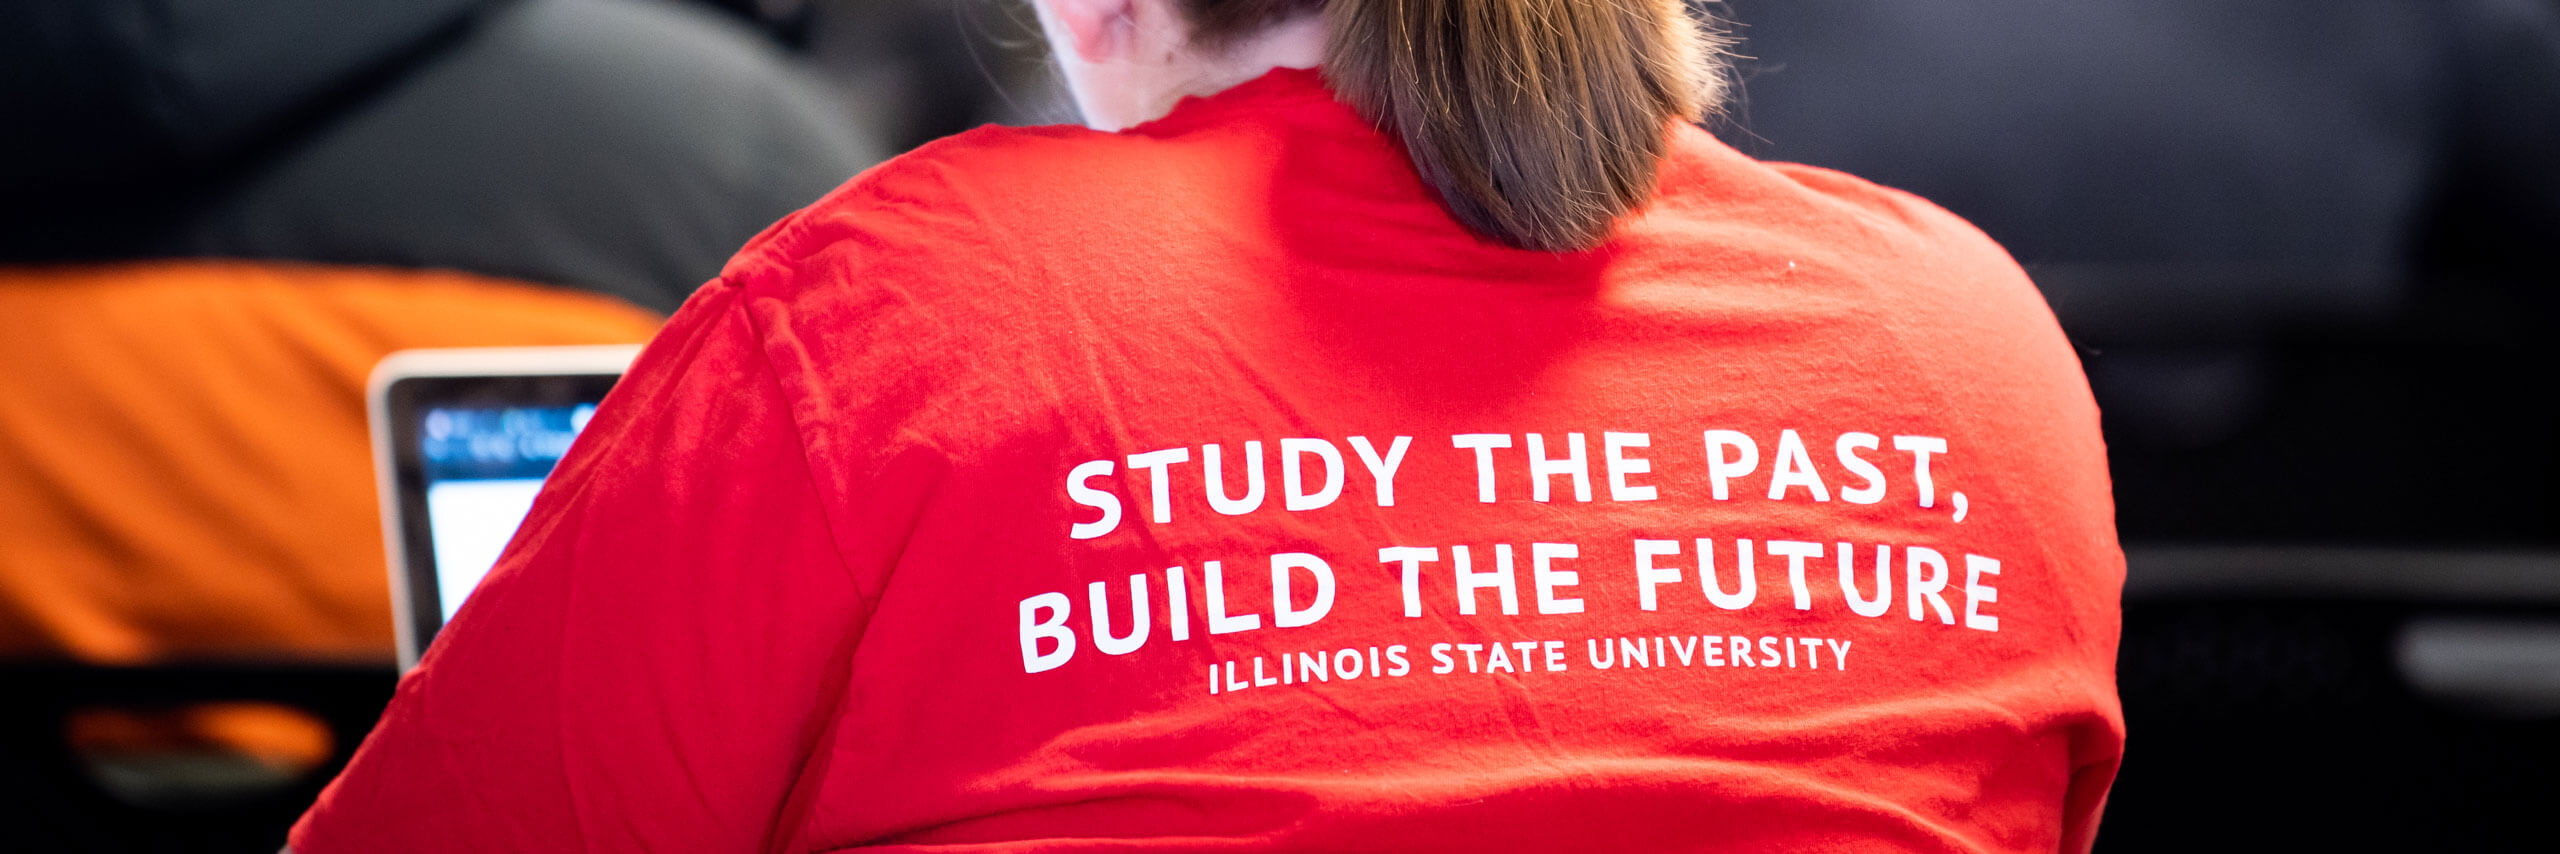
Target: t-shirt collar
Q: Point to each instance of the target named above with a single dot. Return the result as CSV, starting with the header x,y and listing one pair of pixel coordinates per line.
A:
x,y
1273,88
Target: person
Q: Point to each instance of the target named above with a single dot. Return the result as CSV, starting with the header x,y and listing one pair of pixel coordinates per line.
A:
x,y
1392,425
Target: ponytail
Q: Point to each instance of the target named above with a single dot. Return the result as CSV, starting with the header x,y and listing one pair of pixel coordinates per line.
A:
x,y
1538,122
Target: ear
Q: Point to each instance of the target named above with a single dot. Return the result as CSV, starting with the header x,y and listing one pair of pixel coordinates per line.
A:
x,y
1098,30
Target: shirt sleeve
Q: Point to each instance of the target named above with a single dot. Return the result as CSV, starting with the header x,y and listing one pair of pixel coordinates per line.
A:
x,y
652,664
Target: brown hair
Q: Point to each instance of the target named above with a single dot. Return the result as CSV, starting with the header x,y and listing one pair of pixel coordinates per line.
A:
x,y
1539,122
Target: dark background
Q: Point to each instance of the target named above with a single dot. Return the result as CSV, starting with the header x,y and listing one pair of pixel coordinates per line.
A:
x,y
2306,248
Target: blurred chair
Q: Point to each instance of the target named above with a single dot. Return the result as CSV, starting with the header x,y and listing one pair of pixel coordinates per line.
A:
x,y
2307,248
215,216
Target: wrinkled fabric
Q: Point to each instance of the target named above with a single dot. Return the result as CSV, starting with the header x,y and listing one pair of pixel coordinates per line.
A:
x,y
905,534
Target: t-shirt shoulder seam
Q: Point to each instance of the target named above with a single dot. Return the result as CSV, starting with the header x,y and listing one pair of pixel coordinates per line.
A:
x,y
867,598
800,437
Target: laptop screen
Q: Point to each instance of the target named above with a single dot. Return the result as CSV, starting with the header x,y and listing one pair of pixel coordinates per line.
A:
x,y
464,440
482,467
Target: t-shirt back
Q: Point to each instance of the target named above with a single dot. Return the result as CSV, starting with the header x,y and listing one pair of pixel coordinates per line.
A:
x,y
1205,486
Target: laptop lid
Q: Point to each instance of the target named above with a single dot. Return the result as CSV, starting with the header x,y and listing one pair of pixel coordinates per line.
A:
x,y
462,440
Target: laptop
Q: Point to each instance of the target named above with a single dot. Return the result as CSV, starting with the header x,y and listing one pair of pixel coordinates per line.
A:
x,y
462,440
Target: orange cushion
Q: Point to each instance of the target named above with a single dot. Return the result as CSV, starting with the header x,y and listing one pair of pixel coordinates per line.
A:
x,y
184,462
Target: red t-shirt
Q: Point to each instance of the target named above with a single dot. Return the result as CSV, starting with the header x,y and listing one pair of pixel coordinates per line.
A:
x,y
1779,523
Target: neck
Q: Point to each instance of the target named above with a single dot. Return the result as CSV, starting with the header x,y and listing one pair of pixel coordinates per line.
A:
x,y
1294,43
